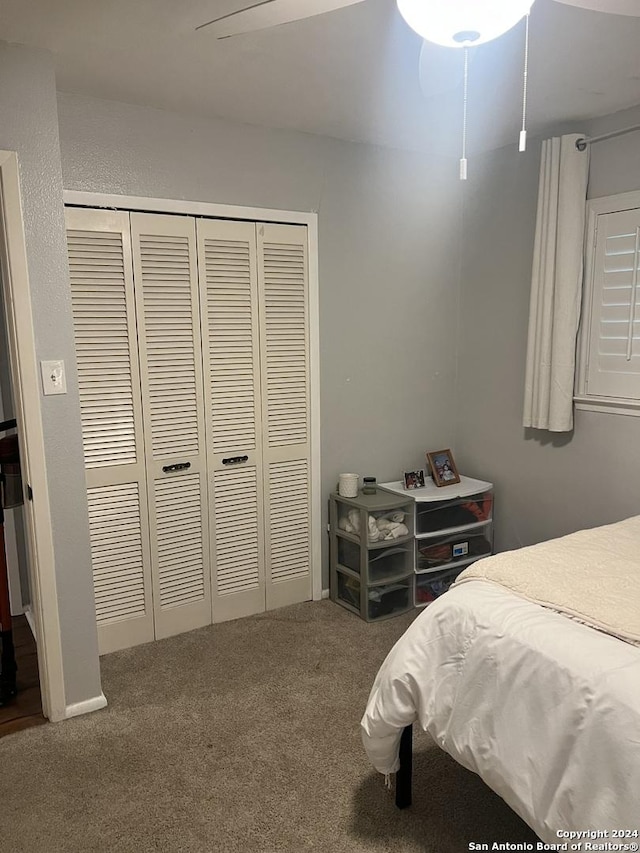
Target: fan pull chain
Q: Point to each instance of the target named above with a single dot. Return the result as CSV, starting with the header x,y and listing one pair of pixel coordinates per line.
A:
x,y
525,82
463,159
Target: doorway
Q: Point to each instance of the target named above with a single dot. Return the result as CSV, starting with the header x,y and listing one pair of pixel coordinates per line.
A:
x,y
20,700
42,595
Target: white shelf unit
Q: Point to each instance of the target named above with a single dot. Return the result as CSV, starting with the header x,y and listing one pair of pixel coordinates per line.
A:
x,y
453,527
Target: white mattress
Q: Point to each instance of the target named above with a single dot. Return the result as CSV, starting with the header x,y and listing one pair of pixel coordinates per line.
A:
x,y
545,709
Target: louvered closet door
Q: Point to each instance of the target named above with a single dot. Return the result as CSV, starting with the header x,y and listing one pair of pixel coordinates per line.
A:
x,y
168,312
108,372
230,335
284,339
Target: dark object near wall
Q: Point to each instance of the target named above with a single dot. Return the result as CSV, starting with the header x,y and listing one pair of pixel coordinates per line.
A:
x,y
10,496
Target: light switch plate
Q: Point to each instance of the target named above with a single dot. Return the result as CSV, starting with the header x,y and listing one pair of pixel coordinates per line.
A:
x,y
54,380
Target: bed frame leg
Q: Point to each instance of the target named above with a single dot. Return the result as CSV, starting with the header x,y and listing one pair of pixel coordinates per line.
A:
x,y
403,776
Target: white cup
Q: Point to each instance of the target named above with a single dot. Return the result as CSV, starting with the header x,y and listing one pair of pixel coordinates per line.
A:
x,y
348,485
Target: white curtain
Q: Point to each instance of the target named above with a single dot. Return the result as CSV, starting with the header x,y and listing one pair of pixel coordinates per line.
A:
x,y
556,285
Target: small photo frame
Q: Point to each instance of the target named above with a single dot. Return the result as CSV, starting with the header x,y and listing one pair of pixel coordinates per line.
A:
x,y
413,479
443,468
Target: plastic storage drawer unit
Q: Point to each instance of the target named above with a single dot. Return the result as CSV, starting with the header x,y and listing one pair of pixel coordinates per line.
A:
x,y
372,554
453,528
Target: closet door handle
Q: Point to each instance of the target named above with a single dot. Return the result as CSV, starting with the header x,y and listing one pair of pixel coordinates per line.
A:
x,y
180,466
234,460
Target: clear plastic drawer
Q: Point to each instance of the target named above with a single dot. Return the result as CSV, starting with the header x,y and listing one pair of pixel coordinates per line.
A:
x,y
349,554
380,525
389,599
382,562
432,516
382,601
439,552
348,590
430,586
390,563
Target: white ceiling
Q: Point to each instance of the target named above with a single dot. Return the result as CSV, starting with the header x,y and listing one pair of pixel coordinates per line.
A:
x,y
351,74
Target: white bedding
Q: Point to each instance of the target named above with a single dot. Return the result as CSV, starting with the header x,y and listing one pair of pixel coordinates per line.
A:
x,y
545,709
592,575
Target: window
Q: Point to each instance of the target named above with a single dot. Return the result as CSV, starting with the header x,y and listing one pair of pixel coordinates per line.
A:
x,y
608,374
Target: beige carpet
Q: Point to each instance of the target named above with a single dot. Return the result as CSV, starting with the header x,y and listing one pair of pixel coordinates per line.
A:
x,y
238,737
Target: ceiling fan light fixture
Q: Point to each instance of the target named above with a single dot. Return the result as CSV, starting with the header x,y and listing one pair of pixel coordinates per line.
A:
x,y
462,23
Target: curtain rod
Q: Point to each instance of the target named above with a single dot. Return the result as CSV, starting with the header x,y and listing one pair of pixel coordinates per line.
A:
x,y
582,143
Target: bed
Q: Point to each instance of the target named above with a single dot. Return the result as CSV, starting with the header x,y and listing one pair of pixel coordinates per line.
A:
x,y
527,672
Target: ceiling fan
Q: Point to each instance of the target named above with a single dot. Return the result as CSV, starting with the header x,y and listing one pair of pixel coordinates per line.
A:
x,y
264,14
450,23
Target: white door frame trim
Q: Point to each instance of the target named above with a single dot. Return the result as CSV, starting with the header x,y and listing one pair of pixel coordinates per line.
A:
x,y
27,401
253,214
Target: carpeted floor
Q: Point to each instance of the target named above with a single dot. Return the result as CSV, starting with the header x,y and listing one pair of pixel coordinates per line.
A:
x,y
239,737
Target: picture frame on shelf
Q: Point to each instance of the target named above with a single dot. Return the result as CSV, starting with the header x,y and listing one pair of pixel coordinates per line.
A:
x,y
443,468
414,479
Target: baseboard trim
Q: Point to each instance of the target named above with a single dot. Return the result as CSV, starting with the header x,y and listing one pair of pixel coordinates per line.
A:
x,y
325,593
86,707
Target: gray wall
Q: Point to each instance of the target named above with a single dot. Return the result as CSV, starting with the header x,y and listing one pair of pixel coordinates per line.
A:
x,y
546,486
400,285
423,316
30,127
615,163
388,234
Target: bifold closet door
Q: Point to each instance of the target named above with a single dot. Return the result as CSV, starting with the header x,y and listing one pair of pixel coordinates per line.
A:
x,y
169,341
230,336
192,343
103,304
284,343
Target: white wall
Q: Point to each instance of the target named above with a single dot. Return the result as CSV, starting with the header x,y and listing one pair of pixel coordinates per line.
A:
x,y
30,126
388,233
546,486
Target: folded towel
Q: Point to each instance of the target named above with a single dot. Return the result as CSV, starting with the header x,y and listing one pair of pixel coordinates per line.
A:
x,y
345,524
374,532
396,531
354,518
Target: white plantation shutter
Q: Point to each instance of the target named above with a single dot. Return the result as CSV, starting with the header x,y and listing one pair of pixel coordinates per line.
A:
x,y
168,311
230,334
103,306
614,334
284,339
